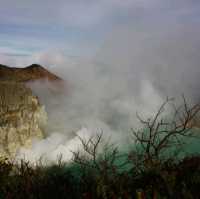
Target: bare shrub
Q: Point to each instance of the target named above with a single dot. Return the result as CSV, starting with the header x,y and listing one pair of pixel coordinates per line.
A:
x,y
159,135
101,164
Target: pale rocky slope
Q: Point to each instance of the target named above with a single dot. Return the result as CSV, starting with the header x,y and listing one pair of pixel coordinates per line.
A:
x,y
22,117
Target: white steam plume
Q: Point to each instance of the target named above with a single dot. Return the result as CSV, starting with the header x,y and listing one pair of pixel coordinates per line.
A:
x,y
133,71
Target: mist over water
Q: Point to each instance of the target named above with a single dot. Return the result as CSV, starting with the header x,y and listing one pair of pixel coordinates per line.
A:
x,y
133,71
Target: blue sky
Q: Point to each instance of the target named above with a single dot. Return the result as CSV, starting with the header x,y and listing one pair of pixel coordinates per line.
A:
x,y
80,27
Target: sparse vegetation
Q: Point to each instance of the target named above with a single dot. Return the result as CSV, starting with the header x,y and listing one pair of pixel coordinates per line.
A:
x,y
101,171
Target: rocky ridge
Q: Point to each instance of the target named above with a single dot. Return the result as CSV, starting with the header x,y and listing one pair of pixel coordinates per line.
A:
x,y
29,73
22,117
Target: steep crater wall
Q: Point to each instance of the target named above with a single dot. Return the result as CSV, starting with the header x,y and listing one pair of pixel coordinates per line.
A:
x,y
22,117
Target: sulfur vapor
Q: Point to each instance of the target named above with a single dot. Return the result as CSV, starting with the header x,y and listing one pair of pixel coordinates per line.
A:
x,y
133,71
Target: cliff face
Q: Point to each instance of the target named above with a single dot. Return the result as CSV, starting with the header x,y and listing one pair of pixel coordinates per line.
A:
x,y
21,117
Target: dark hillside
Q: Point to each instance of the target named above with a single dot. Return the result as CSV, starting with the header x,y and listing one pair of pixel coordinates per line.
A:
x,y
29,73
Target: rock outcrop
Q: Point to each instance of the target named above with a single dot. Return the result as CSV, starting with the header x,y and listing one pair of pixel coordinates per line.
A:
x,y
21,117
